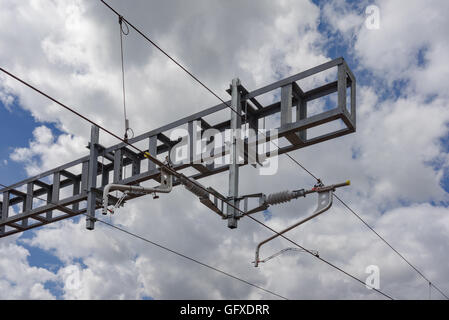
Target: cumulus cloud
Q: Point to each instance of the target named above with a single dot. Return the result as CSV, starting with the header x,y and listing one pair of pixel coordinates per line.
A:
x,y
45,151
19,280
6,99
410,44
390,159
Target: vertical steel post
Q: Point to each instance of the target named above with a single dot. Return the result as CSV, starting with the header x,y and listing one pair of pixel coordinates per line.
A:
x,y
341,85
118,167
5,209
301,113
85,177
236,124
76,191
152,150
286,112
193,138
55,190
28,205
92,177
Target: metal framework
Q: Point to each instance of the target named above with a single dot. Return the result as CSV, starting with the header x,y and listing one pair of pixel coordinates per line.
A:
x,y
77,187
325,198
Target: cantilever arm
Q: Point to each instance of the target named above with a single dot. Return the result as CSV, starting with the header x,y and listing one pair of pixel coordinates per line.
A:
x,y
324,203
165,187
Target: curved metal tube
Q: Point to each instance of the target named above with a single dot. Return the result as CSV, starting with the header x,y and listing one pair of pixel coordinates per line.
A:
x,y
324,203
165,187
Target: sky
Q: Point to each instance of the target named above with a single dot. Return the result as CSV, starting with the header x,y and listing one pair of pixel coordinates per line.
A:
x,y
397,160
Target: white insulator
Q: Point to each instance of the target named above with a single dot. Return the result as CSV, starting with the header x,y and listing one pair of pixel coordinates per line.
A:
x,y
280,197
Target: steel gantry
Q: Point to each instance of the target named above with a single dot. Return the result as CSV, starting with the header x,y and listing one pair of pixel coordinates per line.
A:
x,y
77,187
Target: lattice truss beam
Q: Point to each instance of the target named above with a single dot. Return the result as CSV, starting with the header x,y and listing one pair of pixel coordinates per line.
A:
x,y
73,187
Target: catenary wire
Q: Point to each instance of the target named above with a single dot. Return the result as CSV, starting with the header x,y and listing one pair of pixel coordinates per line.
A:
x,y
167,249
189,258
321,259
391,247
211,267
122,32
197,80
177,174
170,57
287,154
160,163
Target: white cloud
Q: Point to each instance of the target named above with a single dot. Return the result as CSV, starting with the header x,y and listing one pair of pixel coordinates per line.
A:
x,y
75,57
19,280
340,17
408,31
46,152
6,99
410,44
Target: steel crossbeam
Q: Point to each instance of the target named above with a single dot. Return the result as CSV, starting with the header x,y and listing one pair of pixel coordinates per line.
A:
x,y
76,187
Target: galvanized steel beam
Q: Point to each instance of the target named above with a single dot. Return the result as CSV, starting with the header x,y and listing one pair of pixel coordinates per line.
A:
x,y
81,174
